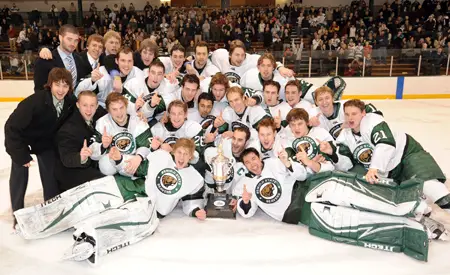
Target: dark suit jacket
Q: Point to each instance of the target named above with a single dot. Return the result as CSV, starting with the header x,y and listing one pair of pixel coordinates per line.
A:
x,y
32,126
43,67
69,141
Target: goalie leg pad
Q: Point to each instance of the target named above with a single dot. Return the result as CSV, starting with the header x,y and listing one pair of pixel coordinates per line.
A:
x,y
376,231
69,208
117,228
351,190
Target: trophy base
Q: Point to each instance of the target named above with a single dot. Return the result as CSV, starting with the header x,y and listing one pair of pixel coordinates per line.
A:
x,y
218,206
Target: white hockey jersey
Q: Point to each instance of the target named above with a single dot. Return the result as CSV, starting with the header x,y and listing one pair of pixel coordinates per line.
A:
x,y
207,122
167,185
170,134
350,149
308,107
272,190
333,124
158,111
164,88
388,145
221,59
209,70
249,118
132,88
310,145
282,109
131,139
252,79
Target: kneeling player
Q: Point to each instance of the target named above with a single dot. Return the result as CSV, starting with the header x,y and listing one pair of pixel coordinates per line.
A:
x,y
170,178
331,116
122,132
395,154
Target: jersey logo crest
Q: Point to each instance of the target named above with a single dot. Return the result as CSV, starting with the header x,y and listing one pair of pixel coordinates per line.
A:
x,y
363,154
207,121
268,190
124,141
233,77
168,181
335,131
307,144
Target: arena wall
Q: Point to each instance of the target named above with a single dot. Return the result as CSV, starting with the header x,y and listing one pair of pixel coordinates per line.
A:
x,y
363,88
369,88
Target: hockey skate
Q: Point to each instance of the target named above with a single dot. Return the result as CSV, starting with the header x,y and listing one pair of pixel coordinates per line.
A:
x,y
435,230
83,248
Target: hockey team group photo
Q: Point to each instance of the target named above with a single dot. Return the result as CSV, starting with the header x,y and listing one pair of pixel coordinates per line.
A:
x,y
127,134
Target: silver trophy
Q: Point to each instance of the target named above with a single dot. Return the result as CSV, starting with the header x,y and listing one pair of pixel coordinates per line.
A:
x,y
218,204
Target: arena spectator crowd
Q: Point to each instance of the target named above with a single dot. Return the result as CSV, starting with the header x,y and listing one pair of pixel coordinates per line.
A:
x,y
349,32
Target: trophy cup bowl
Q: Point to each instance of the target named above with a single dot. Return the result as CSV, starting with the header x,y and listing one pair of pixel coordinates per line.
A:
x,y
218,204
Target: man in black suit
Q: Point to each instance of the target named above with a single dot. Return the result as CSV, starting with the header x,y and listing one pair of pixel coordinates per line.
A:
x,y
62,57
93,57
73,165
31,129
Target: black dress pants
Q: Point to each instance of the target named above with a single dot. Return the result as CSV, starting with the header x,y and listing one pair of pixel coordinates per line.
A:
x,y
18,180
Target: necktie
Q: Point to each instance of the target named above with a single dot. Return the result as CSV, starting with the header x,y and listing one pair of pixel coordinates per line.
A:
x,y
94,65
72,70
59,107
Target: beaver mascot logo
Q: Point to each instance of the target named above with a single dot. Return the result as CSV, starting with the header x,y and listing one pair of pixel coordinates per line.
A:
x,y
122,144
168,181
268,190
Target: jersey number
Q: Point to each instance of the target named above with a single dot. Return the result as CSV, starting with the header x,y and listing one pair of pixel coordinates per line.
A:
x,y
378,136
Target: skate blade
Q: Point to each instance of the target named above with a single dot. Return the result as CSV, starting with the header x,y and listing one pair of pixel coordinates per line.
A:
x,y
445,236
79,252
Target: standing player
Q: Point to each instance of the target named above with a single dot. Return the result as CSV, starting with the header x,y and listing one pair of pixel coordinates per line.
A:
x,y
201,65
276,107
236,62
302,142
131,85
156,82
293,94
265,71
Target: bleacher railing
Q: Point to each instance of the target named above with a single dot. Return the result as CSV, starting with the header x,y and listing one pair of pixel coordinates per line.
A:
x,y
381,63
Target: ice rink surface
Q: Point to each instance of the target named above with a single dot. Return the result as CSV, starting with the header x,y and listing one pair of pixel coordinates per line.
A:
x,y
183,245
